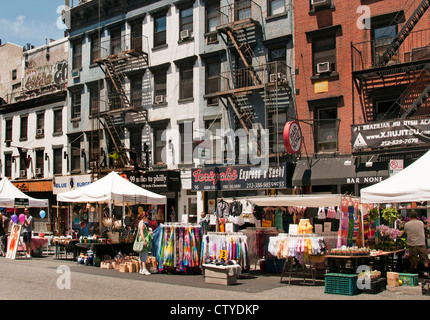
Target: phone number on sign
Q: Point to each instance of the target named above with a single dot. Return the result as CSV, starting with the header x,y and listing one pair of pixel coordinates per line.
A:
x,y
399,142
265,185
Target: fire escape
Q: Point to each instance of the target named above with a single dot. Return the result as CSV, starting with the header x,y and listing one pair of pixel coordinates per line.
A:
x,y
405,61
125,54
240,23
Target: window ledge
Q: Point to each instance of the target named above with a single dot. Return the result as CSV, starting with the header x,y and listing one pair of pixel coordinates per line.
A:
x,y
186,100
77,119
57,134
155,105
276,16
23,139
190,39
326,76
160,47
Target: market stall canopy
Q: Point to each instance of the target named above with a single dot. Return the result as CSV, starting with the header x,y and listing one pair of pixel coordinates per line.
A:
x,y
11,196
410,184
112,188
306,200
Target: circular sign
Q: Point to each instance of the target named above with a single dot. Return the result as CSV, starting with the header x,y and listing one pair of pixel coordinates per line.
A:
x,y
292,137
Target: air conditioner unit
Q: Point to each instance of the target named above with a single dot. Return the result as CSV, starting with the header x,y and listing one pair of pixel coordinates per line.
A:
x,y
75,74
185,34
160,99
39,132
7,142
275,77
318,3
323,67
38,171
23,173
93,165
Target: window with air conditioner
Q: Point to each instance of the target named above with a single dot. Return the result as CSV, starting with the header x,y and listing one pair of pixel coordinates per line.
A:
x,y
23,173
186,23
324,54
160,84
38,171
160,99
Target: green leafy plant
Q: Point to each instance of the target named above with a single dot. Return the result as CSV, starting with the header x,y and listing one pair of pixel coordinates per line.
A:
x,y
373,214
390,214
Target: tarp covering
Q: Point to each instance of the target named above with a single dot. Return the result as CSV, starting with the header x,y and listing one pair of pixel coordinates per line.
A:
x,y
410,184
11,196
112,188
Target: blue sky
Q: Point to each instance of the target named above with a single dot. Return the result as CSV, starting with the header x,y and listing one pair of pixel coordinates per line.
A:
x,y
30,21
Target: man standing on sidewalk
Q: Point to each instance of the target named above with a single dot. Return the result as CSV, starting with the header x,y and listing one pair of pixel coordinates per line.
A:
x,y
415,230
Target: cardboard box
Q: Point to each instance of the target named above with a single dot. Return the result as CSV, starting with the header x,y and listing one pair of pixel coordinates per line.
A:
x,y
393,276
219,275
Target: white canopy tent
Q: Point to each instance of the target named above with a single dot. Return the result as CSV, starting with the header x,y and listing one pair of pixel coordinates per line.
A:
x,y
410,184
113,189
306,200
12,197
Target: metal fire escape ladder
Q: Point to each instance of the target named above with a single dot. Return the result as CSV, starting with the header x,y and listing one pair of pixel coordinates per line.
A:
x,y
117,81
404,32
423,78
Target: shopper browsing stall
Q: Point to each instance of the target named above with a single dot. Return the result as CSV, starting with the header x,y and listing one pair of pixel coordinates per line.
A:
x,y
416,242
146,239
26,233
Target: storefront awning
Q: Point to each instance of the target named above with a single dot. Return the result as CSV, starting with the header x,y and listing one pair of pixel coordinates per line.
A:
x,y
337,171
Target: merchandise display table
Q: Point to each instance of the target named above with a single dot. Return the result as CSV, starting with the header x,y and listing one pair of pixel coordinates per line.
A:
x,y
224,275
64,247
382,261
100,249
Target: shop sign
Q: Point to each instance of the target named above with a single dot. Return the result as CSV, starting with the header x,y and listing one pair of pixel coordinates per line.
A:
x,y
157,181
239,178
68,183
396,133
395,166
21,202
292,137
320,87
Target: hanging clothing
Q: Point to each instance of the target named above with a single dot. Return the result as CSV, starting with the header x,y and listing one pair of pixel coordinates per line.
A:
x,y
222,209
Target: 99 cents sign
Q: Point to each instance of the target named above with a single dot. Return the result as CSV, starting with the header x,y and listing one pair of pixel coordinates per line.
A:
x,y
292,137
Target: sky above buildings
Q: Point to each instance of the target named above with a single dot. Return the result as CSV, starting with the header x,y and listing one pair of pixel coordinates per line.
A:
x,y
30,21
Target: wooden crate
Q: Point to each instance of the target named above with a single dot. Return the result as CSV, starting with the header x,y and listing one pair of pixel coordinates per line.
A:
x,y
216,275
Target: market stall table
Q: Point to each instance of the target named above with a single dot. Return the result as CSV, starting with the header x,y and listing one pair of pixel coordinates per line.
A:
x,y
100,249
349,264
63,247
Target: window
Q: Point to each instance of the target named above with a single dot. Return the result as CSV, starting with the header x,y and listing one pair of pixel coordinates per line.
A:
x,y
186,81
58,161
95,47
386,109
40,124
382,37
24,128
58,121
242,9
213,78
76,153
186,21
212,21
186,132
160,28
276,124
23,165
40,162
160,84
211,127
14,74
8,133
94,99
159,145
326,128
77,55
94,145
324,54
115,41
136,143
276,7
136,91
8,165
76,105
136,36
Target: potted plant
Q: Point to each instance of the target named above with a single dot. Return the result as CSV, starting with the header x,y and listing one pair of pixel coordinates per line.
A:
x,y
390,215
